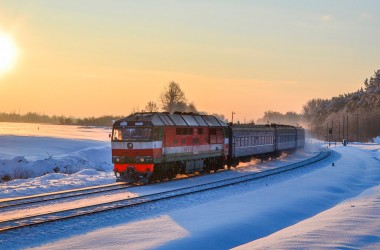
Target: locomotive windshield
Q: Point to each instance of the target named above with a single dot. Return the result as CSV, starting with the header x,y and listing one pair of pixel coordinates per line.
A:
x,y
131,134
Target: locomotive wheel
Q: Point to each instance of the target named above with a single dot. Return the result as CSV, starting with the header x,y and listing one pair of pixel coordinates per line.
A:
x,y
170,173
160,177
152,178
216,167
207,169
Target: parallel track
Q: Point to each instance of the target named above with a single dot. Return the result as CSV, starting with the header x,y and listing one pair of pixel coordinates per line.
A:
x,y
26,200
92,209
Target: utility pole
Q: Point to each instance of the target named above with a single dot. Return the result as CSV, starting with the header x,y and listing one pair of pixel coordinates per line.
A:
x,y
347,127
232,120
357,127
339,131
343,128
317,132
327,131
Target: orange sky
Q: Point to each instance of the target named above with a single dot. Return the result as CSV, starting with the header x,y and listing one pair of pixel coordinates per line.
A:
x,y
90,58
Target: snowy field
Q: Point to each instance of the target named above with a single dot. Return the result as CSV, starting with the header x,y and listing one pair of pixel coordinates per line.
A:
x,y
32,150
320,206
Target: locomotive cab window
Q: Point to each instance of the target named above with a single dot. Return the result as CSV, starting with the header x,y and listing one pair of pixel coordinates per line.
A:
x,y
132,134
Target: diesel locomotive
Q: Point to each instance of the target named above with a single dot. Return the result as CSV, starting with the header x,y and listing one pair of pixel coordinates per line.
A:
x,y
147,147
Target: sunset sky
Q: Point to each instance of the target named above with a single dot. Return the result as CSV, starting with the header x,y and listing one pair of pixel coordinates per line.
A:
x,y
106,57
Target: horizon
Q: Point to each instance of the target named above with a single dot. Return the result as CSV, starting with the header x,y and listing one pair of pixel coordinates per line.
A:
x,y
90,58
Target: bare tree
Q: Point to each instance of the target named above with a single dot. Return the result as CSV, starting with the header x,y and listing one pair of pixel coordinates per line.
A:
x,y
172,96
151,107
135,109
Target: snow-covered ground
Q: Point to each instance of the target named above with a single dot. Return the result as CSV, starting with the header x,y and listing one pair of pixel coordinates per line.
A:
x,y
32,150
321,206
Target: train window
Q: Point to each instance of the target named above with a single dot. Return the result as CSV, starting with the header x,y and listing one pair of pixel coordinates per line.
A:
x,y
200,131
156,135
212,131
225,131
187,131
178,131
132,133
117,135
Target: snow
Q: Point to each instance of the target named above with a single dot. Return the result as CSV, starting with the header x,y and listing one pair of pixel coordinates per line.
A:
x,y
37,150
352,224
376,140
320,206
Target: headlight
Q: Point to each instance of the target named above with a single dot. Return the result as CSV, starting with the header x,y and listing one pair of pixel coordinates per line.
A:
x,y
143,158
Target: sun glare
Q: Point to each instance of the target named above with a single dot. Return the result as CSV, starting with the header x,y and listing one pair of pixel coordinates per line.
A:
x,y
8,53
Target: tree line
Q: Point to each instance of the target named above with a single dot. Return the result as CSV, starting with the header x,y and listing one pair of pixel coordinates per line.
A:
x,y
32,117
354,116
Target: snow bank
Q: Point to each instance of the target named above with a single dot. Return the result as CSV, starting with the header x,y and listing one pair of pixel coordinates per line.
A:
x,y
55,182
376,140
352,224
36,150
89,158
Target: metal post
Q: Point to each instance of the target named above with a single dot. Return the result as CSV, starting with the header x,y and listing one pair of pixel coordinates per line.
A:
x,y
343,128
357,127
317,132
327,132
339,131
347,127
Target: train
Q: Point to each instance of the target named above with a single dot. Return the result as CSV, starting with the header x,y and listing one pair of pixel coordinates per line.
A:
x,y
154,146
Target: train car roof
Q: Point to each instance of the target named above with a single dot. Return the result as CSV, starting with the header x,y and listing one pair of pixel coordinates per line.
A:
x,y
168,119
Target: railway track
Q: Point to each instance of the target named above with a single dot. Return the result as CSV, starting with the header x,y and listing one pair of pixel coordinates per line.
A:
x,y
26,200
36,219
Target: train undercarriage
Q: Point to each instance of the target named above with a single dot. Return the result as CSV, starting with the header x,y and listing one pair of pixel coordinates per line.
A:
x,y
169,171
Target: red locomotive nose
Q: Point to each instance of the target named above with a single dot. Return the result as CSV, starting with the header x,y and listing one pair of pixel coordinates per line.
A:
x,y
120,168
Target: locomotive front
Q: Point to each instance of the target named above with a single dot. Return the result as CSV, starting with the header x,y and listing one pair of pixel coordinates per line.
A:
x,y
135,146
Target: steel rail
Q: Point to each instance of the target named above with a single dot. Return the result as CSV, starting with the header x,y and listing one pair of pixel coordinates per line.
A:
x,y
18,201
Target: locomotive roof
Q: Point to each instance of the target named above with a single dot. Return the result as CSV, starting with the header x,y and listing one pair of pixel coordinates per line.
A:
x,y
167,119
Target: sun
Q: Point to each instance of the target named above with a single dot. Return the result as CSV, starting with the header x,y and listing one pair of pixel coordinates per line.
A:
x,y
8,52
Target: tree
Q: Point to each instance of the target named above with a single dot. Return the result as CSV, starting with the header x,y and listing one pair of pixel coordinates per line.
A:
x,y
172,96
316,109
151,107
